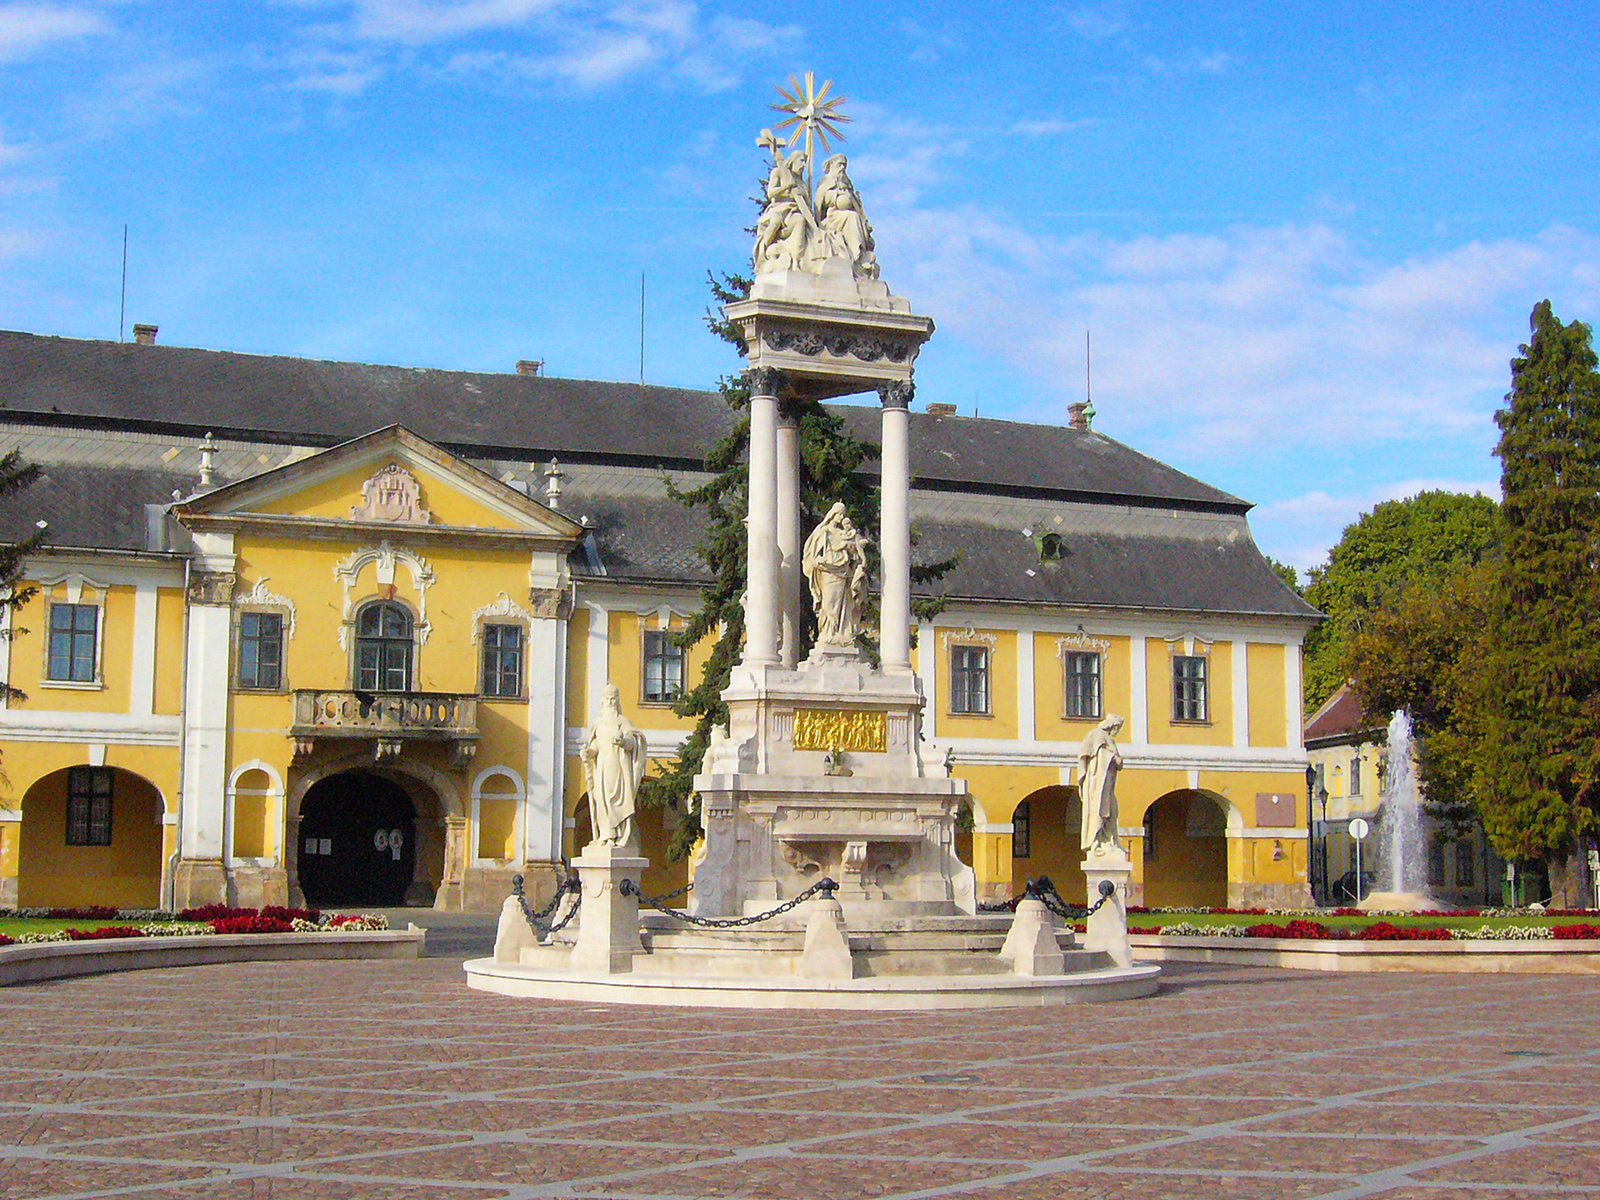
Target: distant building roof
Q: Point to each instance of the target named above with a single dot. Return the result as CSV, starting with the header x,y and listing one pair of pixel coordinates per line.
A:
x,y
1339,718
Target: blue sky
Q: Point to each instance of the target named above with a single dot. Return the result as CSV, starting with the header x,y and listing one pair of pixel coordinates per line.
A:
x,y
1306,236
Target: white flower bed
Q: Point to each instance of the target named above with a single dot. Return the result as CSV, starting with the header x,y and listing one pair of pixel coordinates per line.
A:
x,y
1187,929
1504,933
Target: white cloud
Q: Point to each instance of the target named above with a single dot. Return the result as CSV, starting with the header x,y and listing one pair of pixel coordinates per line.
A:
x,y
1049,126
25,28
416,22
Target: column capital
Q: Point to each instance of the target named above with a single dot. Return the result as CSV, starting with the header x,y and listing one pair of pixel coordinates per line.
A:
x,y
764,381
897,394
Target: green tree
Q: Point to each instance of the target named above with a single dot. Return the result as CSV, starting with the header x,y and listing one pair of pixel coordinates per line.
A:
x,y
1285,572
1536,762
830,470
15,476
1420,540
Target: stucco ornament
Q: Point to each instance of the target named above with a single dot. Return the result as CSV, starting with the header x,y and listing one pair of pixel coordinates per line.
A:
x,y
834,560
1098,764
804,225
613,768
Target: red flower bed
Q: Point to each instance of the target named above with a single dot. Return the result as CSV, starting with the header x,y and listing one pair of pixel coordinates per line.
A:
x,y
7,941
273,912
1576,931
253,923
279,913
93,912
1383,931
104,933
1297,928
1143,929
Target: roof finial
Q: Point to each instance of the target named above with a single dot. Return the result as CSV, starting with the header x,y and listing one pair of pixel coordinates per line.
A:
x,y
208,452
553,479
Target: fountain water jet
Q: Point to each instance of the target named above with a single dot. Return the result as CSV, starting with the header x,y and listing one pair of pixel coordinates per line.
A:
x,y
1400,864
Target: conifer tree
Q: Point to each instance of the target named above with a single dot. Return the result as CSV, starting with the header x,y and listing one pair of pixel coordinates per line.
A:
x,y
15,475
1537,757
830,470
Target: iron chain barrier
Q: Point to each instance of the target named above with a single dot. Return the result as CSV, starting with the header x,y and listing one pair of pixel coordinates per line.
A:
x,y
1044,891
826,887
539,921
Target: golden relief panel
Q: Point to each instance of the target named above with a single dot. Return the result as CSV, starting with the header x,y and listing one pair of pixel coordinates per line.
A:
x,y
831,729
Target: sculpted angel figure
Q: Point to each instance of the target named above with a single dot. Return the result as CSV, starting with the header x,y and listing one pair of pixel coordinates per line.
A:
x,y
613,768
843,220
783,231
834,560
1098,764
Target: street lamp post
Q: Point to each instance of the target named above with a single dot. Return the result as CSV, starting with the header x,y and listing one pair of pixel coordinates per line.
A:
x,y
1311,858
1327,888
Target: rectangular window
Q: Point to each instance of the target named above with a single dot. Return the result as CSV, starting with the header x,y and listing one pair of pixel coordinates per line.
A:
x,y
260,650
1021,831
1355,775
502,660
88,806
1149,833
1466,864
72,641
1436,862
969,679
663,667
1188,687
1082,669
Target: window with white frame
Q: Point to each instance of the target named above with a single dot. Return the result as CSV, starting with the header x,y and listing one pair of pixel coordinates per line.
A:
x,y
663,667
1081,670
969,680
502,660
1189,700
384,648
73,642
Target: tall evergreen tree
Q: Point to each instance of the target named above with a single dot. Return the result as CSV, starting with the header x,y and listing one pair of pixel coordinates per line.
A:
x,y
830,470
1537,761
15,475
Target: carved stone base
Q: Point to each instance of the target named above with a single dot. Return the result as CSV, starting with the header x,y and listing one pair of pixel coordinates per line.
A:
x,y
608,922
1108,928
1031,947
199,881
256,887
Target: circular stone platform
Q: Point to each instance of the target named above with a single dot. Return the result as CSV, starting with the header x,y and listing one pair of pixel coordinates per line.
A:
x,y
885,993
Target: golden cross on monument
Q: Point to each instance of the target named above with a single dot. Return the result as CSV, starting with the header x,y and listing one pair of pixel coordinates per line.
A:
x,y
812,113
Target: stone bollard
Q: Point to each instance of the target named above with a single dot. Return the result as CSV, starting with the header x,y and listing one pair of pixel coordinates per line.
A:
x,y
1108,928
515,933
1031,945
608,925
827,953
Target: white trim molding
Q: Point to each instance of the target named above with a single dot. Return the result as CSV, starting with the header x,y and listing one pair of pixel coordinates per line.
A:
x,y
259,596
384,557
501,606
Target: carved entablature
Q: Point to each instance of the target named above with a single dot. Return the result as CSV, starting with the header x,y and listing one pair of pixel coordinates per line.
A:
x,y
212,587
393,496
841,344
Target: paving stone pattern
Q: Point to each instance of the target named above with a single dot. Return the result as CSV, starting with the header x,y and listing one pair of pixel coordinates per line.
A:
x,y
378,1080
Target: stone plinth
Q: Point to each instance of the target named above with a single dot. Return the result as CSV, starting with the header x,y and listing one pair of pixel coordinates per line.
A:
x,y
608,923
1108,927
1031,946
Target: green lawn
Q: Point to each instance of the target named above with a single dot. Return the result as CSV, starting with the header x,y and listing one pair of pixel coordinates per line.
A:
x,y
16,926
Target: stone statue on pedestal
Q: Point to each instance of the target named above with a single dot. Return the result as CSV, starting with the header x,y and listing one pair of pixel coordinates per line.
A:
x,y
1098,764
835,564
843,221
613,768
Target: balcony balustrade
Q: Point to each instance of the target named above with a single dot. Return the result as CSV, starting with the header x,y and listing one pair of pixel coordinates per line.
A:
x,y
389,719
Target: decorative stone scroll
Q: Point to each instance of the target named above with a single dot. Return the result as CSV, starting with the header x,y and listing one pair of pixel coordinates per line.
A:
x,y
1081,641
392,495
840,345
259,596
832,729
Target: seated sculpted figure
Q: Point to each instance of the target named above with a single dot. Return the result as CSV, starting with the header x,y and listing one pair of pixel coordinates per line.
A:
x,y
834,560
613,768
843,220
783,231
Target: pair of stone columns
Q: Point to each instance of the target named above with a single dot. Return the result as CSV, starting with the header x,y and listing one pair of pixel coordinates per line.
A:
x,y
775,587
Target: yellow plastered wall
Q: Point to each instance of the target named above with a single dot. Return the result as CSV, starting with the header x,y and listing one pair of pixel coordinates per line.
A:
x,y
1002,721
1217,730
169,651
578,667
1251,860
127,873
1049,687
626,665
1268,707
497,828
995,791
29,647
332,499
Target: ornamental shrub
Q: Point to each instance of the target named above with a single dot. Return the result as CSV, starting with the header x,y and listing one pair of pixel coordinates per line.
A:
x,y
253,923
6,940
92,912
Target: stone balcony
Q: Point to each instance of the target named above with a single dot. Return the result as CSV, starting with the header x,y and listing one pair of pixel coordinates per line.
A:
x,y
390,720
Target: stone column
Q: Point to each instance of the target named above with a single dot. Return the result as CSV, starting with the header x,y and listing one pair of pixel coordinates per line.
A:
x,y
200,878
761,595
544,806
894,633
791,587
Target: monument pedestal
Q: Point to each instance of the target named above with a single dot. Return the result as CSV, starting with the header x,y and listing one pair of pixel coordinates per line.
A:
x,y
1108,927
608,925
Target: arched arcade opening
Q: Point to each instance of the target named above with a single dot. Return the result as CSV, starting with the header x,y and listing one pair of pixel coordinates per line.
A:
x,y
1045,840
91,835
1185,851
368,836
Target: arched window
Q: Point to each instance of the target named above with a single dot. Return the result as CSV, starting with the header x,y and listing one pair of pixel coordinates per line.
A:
x,y
383,648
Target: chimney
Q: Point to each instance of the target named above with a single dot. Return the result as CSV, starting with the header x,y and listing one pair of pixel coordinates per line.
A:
x,y
529,366
941,410
1080,415
145,335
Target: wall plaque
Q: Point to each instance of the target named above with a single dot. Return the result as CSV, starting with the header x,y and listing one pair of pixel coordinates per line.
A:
x,y
831,729
1275,810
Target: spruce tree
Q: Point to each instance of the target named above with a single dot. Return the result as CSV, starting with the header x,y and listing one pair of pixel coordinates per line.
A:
x,y
831,462
15,475
1537,760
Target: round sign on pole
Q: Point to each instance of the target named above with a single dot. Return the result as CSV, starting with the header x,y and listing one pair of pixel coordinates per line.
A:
x,y
1359,828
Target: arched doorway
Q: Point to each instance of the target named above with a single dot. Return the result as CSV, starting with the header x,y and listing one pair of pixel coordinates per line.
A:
x,y
358,841
91,835
1045,841
1186,851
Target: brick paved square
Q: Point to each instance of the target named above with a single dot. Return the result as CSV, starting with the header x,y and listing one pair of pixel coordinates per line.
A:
x,y
278,1082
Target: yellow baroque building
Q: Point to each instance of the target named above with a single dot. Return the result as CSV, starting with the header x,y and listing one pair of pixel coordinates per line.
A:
x,y
332,633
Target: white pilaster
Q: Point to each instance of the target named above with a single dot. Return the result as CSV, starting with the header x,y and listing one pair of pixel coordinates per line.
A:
x,y
1241,692
598,657
927,668
761,588
142,684
547,737
894,634
790,589
1138,697
205,734
1025,688
1292,700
